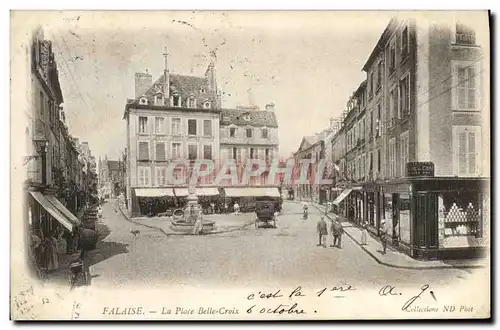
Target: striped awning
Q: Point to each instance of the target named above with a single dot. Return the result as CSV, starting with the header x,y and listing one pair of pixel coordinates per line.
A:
x,y
51,208
252,192
63,209
207,191
154,192
342,196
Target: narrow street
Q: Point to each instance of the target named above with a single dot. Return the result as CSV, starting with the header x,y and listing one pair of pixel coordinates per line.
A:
x,y
286,255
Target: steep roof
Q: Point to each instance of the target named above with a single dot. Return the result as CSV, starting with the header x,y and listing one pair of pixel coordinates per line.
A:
x,y
185,87
257,118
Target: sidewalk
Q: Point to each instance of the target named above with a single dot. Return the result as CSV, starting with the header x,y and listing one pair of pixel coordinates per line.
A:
x,y
223,223
396,259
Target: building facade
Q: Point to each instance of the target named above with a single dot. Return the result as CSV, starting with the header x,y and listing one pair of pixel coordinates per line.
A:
x,y
111,177
417,149
249,133
176,118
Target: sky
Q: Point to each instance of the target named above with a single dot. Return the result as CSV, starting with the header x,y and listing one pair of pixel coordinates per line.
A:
x,y
307,63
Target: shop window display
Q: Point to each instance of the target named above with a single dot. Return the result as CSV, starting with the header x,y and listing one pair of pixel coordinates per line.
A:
x,y
459,219
404,218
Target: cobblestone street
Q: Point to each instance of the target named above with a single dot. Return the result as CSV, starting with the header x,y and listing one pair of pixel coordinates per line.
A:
x,y
286,255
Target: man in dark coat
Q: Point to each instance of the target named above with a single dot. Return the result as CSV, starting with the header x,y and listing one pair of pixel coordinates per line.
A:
x,y
322,232
337,230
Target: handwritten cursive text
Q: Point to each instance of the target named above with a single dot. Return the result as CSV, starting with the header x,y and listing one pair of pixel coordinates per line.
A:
x,y
412,299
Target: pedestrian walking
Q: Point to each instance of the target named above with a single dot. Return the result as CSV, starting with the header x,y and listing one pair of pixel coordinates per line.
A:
x,y
322,232
384,235
337,230
364,234
236,207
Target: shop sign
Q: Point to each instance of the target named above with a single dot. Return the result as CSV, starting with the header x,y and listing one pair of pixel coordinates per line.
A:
x,y
419,169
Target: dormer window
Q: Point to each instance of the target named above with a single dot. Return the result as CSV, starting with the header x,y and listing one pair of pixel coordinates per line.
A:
x,y
246,117
143,101
206,105
202,90
191,102
159,99
176,101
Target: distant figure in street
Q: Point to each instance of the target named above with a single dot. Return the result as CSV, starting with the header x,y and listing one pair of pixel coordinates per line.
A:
x,y
304,212
212,205
322,232
364,234
236,208
337,231
225,208
384,235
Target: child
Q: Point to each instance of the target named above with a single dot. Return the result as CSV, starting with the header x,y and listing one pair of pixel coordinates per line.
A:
x,y
364,234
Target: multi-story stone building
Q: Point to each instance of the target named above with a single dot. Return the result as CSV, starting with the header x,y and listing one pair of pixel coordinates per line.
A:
x,y
416,143
175,118
249,133
111,177
51,161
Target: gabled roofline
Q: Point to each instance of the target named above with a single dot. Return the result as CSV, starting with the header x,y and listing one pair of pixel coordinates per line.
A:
x,y
380,44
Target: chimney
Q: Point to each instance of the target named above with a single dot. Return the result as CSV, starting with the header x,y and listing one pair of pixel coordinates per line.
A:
x,y
210,75
270,106
143,82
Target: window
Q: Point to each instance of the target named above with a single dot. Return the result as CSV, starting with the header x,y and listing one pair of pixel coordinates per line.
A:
x,y
192,151
362,166
249,132
144,176
404,148
143,150
234,153
176,101
392,157
232,131
177,173
393,105
159,100
191,102
207,152
176,126
267,153
378,122
161,176
251,153
405,96
464,35
370,129
467,150
192,126
207,127
202,90
379,160
379,75
246,117
466,86
405,44
370,166
160,151
206,105
371,85
176,150
143,125
392,57
159,125
265,133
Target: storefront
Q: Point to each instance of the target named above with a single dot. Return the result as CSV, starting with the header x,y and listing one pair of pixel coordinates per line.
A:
x,y
438,217
246,196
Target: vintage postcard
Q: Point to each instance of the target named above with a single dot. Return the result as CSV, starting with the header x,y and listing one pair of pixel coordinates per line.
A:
x,y
250,165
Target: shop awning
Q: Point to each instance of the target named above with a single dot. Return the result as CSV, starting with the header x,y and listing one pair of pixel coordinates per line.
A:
x,y
252,192
51,208
181,192
342,196
207,191
63,209
155,192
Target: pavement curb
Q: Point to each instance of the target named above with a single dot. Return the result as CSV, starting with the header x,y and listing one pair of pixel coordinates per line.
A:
x,y
179,234
400,266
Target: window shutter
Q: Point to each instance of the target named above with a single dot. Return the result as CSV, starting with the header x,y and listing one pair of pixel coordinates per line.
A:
x,y
143,150
160,151
472,153
462,154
